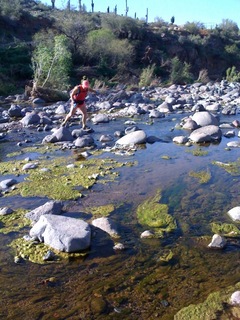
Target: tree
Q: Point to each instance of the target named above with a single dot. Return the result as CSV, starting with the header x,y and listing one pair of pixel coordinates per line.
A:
x,y
51,64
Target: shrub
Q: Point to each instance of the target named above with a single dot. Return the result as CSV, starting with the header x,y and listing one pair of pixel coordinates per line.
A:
x,y
232,75
180,72
147,76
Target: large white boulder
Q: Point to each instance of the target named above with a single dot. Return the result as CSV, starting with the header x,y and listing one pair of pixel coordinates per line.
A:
x,y
62,233
205,118
234,213
135,137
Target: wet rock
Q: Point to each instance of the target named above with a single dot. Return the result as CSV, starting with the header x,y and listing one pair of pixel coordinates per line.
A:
x,y
6,210
107,225
217,242
180,139
147,234
119,246
234,213
62,233
15,111
50,207
205,118
29,166
30,118
233,144
100,118
136,137
85,141
7,183
235,298
209,133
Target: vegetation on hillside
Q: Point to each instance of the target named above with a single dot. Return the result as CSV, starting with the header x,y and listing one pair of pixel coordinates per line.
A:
x,y
56,47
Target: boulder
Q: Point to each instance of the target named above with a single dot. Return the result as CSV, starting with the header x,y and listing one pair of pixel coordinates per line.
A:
x,y
62,233
218,242
209,133
50,207
136,137
107,225
234,213
205,118
30,118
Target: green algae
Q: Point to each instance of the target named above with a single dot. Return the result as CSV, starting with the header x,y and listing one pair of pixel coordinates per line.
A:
x,y
14,222
226,229
231,167
102,211
34,251
63,179
166,256
198,152
202,176
155,214
216,306
41,149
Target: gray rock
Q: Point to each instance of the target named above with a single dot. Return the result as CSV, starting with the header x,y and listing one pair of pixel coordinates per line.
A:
x,y
85,141
234,213
107,225
206,134
233,144
136,137
29,166
205,118
100,118
235,298
217,242
50,207
15,111
180,139
4,211
7,183
30,118
62,233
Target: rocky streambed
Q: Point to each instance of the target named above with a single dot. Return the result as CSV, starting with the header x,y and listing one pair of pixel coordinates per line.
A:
x,y
155,182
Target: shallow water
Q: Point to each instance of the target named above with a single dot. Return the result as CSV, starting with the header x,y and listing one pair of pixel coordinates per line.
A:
x,y
134,284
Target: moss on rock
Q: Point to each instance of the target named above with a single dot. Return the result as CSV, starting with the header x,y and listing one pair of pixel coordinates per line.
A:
x,y
225,229
202,176
216,306
155,214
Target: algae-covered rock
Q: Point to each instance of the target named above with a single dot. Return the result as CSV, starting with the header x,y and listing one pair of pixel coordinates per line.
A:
x,y
216,306
155,215
226,229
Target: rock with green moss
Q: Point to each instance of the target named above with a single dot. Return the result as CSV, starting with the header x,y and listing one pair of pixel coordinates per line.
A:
x,y
155,215
225,229
216,306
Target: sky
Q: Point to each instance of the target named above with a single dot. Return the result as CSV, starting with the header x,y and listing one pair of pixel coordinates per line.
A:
x,y
208,12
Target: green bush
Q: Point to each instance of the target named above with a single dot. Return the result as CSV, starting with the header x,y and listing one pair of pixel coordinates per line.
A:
x,y
147,76
108,52
180,72
232,75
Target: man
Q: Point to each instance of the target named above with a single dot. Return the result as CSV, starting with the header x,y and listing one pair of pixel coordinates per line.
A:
x,y
78,96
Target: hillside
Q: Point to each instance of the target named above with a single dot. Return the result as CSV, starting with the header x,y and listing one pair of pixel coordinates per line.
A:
x,y
113,48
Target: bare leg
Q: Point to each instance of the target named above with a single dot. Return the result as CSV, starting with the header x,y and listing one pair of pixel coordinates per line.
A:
x,y
83,110
70,114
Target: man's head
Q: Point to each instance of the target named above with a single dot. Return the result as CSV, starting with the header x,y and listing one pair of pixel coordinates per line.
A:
x,y
85,84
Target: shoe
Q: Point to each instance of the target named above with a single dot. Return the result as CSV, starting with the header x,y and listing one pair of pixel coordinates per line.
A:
x,y
86,128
